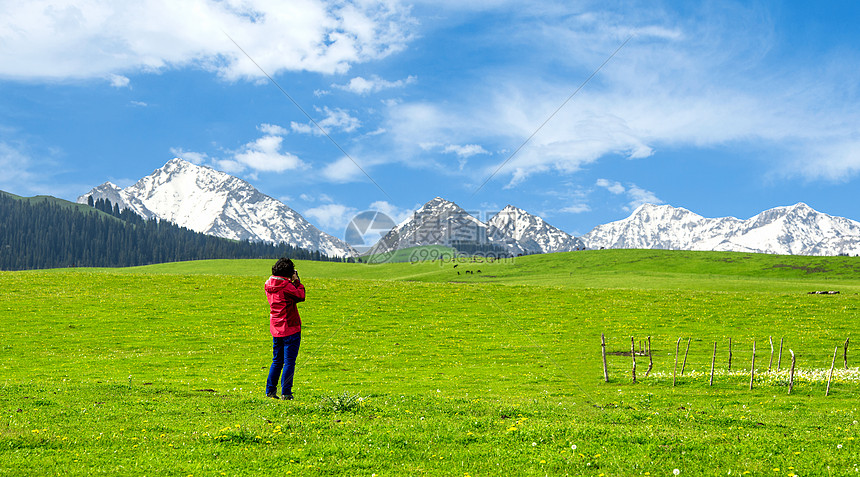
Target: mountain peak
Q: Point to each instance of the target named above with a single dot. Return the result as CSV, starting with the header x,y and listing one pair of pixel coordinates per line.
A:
x,y
442,222
801,207
788,230
512,208
178,161
436,202
662,208
215,203
532,233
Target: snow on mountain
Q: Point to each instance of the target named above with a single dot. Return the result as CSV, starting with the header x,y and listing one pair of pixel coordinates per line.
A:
x,y
212,202
791,230
205,200
115,195
441,222
532,232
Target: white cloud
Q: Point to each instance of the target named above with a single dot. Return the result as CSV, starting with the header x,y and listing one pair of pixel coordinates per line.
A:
x,y
317,197
15,165
342,170
334,120
836,162
377,132
96,38
192,157
397,214
577,208
119,81
265,155
272,130
429,146
679,83
331,216
428,125
360,85
639,196
634,194
465,151
612,186
574,195
139,104
31,168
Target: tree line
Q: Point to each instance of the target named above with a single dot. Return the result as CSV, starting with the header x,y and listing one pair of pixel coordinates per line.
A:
x,y
50,233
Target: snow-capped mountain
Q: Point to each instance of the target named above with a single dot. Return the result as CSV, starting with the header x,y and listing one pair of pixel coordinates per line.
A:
x,y
205,200
212,202
533,233
792,230
115,195
441,222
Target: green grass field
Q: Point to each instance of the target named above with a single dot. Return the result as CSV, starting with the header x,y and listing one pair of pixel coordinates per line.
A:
x,y
160,370
411,255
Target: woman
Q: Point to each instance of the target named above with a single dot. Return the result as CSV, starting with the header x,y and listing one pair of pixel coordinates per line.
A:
x,y
284,290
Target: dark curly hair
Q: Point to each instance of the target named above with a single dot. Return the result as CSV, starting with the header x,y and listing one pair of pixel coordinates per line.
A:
x,y
283,268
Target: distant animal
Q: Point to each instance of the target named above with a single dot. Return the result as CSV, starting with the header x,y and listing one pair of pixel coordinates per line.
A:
x,y
455,265
479,271
458,273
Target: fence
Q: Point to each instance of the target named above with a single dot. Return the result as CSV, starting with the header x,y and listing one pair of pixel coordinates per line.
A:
x,y
644,350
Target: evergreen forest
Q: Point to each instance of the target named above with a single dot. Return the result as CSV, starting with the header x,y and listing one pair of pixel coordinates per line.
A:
x,y
46,232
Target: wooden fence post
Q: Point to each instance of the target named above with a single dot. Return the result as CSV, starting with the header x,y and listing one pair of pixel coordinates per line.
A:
x,y
650,359
713,360
845,355
779,361
684,366
605,369
675,369
730,354
791,373
770,363
830,376
633,354
752,367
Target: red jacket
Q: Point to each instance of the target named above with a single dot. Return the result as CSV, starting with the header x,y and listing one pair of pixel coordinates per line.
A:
x,y
284,319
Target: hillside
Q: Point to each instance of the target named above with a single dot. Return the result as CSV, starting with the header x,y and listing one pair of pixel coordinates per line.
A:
x,y
449,376
646,269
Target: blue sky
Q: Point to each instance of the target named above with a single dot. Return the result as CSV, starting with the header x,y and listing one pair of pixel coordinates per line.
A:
x,y
726,109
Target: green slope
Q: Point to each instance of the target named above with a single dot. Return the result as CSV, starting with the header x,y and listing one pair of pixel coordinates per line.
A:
x,y
649,269
47,199
159,370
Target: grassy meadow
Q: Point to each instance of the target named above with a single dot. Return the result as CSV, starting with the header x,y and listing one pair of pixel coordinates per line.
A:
x,y
425,369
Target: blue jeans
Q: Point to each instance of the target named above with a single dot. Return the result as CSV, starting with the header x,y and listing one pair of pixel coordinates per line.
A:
x,y
284,352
